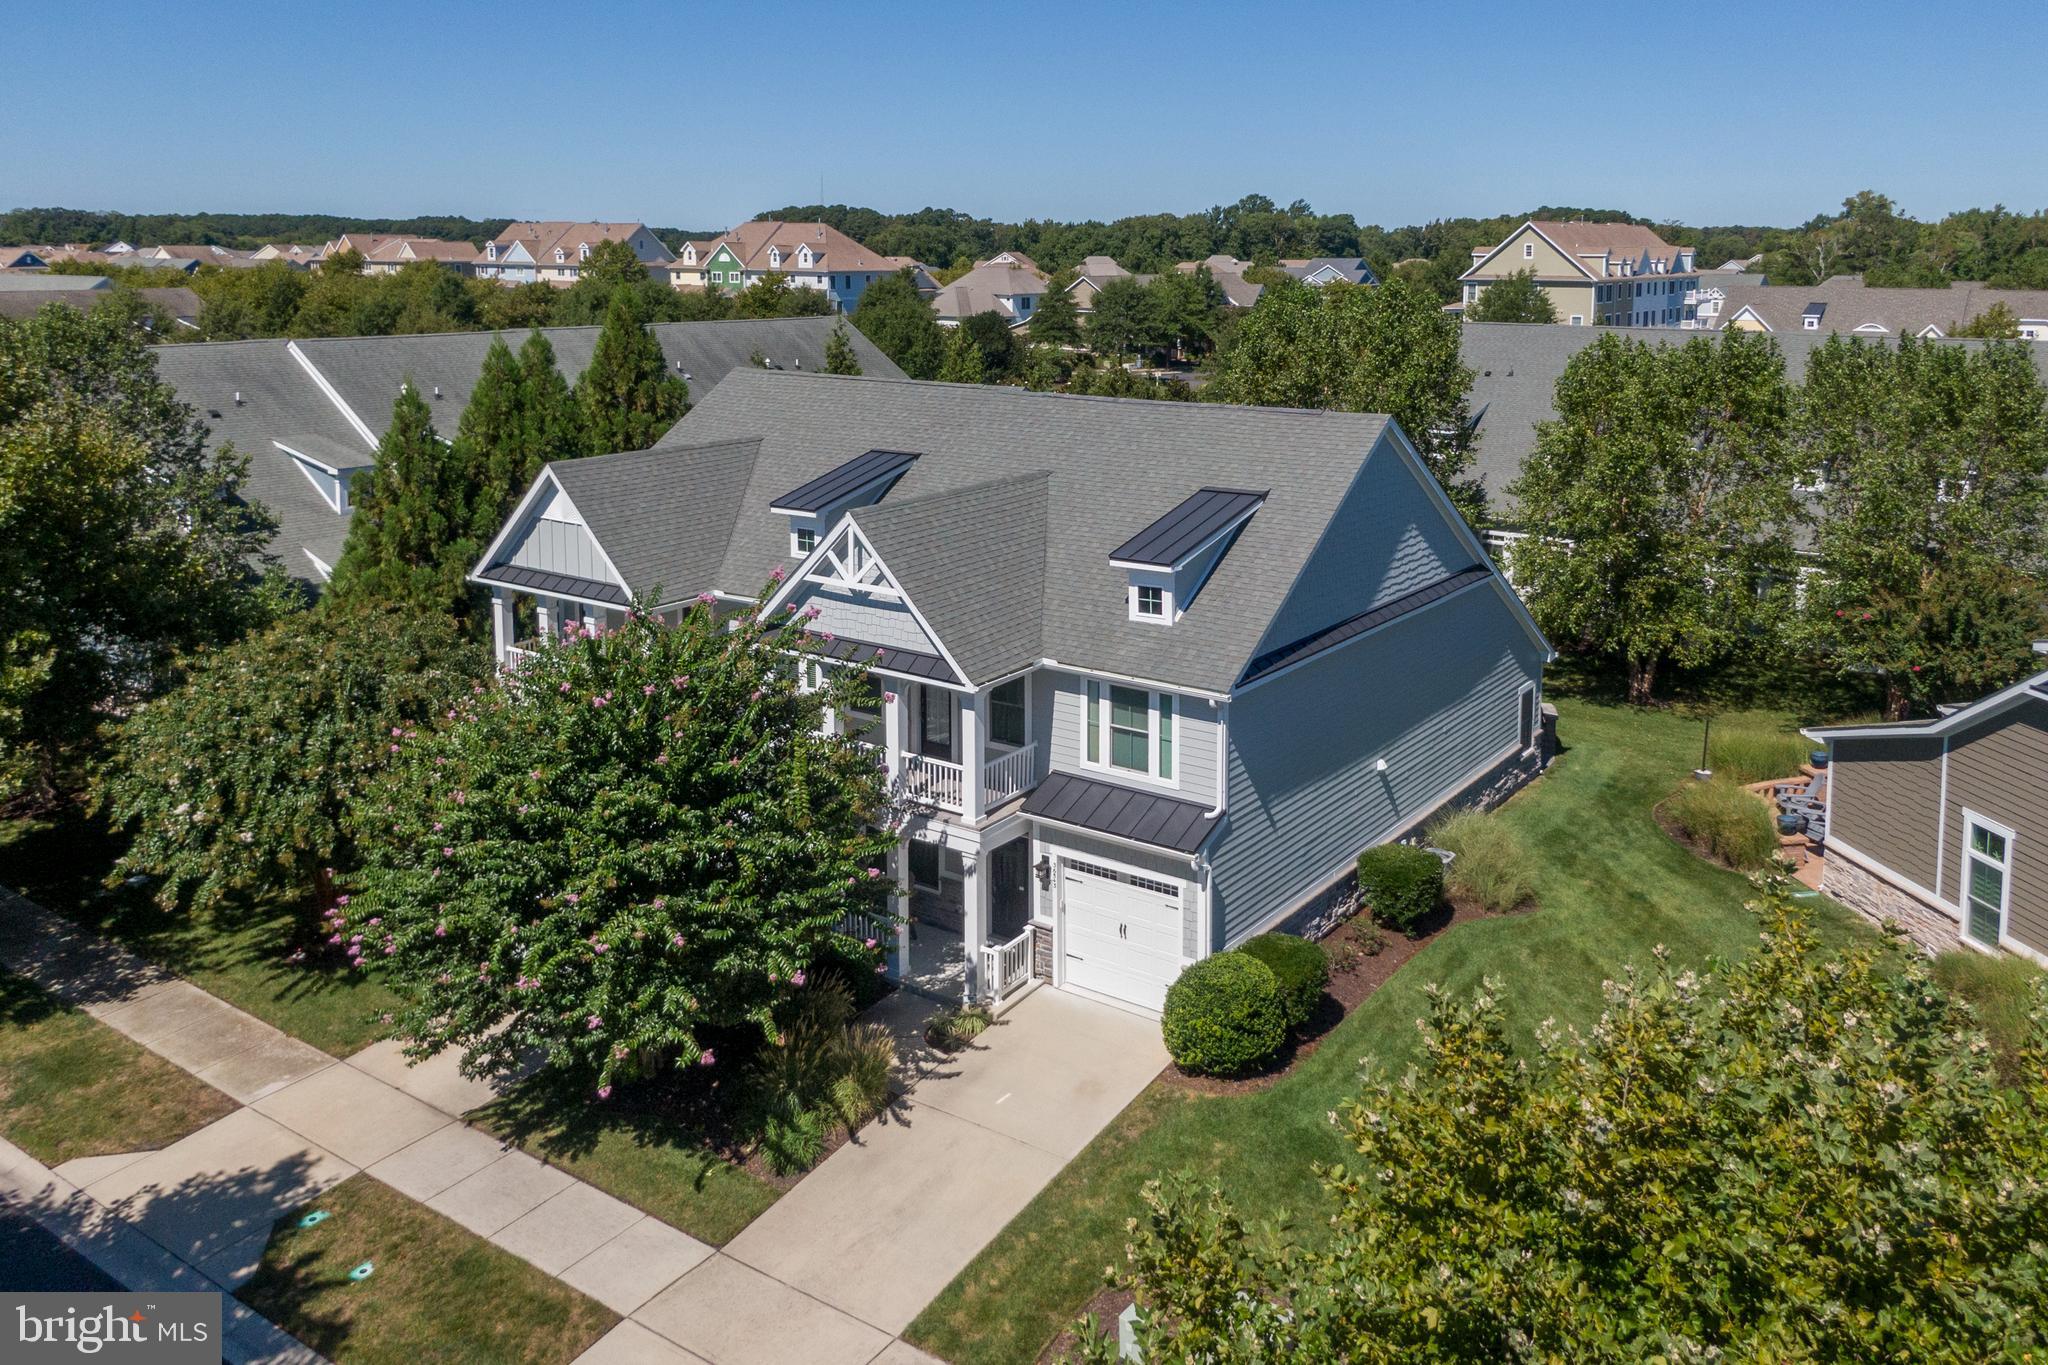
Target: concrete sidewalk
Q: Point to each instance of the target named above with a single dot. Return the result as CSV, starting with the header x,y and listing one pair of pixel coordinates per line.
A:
x,y
830,1274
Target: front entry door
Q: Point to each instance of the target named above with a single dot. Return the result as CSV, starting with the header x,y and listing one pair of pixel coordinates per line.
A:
x,y
1009,889
935,723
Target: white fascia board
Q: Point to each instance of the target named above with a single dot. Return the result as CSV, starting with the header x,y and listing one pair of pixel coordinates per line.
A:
x,y
1985,708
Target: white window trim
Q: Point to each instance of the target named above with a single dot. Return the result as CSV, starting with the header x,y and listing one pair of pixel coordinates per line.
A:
x,y
796,545
1971,823
1102,764
1528,251
1528,690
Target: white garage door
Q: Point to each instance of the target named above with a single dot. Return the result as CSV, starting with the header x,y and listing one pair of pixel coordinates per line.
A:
x,y
1123,934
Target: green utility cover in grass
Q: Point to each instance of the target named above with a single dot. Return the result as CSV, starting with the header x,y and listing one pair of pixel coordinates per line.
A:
x,y
315,1218
362,1272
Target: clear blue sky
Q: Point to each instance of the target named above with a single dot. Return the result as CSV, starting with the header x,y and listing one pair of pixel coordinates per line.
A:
x,y
697,116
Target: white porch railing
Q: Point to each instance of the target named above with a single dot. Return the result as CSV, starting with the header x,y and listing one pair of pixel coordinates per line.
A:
x,y
517,655
861,925
1005,776
934,781
1005,966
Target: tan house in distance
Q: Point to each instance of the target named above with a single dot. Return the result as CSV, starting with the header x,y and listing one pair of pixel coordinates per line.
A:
x,y
1844,303
399,252
1618,274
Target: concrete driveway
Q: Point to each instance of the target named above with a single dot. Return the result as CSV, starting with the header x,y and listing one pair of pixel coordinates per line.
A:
x,y
886,1222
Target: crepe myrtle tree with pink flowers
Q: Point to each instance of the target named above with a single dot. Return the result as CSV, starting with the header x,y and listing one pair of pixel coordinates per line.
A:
x,y
639,840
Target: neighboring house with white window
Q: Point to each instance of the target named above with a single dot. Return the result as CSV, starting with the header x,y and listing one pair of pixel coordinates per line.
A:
x,y
1844,303
554,252
809,255
1617,274
1146,676
1942,824
308,413
393,255
1007,285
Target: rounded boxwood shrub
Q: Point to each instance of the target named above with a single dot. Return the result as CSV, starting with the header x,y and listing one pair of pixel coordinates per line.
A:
x,y
1224,1015
1400,884
1300,970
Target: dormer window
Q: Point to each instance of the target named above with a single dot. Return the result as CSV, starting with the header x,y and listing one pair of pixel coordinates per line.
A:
x,y
583,252
774,256
490,251
803,256
803,540
1167,563
560,256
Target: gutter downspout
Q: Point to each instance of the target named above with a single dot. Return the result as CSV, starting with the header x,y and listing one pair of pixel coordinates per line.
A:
x,y
1222,710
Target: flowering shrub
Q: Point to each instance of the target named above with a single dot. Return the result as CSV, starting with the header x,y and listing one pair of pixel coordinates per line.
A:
x,y
1808,1159
638,838
238,782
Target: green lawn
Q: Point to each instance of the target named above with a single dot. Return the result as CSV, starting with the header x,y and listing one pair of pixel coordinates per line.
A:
x,y
436,1292
60,863
1611,887
71,1087
646,1154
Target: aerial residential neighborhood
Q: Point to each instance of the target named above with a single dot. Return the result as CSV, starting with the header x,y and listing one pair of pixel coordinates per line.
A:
x,y
654,713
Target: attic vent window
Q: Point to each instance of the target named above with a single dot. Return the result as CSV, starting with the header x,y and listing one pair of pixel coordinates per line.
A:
x,y
1528,251
1151,600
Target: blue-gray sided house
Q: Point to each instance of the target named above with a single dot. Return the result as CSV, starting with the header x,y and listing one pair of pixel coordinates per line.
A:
x,y
1152,674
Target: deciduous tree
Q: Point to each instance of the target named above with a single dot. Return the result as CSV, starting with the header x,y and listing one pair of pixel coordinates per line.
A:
x,y
1658,503
1512,298
1126,320
641,840
893,316
1931,542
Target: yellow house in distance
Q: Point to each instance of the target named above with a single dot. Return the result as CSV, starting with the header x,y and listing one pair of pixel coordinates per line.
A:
x,y
1617,274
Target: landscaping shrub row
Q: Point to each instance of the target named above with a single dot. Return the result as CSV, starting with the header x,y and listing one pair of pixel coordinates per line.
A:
x,y
1727,821
1230,1013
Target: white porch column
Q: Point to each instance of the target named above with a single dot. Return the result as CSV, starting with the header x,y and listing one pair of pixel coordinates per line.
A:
x,y
895,730
974,928
501,624
544,621
899,906
972,757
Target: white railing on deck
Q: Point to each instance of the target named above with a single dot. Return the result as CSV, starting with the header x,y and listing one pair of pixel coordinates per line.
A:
x,y
933,781
1003,777
861,925
517,655
1006,966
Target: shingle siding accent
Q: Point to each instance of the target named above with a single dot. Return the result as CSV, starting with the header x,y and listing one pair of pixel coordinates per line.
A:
x,y
2000,771
870,620
1434,694
1387,539
1884,800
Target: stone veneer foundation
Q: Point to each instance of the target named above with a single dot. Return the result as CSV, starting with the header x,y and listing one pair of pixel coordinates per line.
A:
x,y
1878,900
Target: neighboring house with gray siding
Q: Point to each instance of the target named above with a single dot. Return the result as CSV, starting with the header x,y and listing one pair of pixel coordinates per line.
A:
x,y
1149,675
309,412
1943,824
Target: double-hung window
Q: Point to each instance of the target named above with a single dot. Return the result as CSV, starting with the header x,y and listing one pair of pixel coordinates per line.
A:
x,y
1987,879
862,718
1130,730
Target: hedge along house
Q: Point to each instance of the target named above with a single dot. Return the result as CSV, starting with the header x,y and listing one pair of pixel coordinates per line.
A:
x,y
1942,824
1150,675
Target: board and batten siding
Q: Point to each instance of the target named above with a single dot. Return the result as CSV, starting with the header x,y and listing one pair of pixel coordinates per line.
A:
x,y
561,547
1884,801
1435,694
1194,737
2000,770
1387,538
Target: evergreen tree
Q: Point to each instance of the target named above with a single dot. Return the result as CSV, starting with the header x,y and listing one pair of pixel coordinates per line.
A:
x,y
488,451
551,423
627,396
963,359
839,356
408,542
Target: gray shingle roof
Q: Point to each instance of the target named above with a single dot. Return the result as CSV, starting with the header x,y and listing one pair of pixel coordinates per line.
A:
x,y
281,399
656,511
1108,808
1104,465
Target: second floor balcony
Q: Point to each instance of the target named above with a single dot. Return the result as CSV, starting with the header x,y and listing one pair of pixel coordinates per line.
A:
x,y
965,753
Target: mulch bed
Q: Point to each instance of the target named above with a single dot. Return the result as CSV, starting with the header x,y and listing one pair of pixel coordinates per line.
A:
x,y
1106,1306
1355,973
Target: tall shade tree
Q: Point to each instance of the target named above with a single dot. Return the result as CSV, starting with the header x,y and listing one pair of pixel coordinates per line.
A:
x,y
1512,298
1659,504
773,296
1931,544
900,323
1190,307
627,396
1385,348
1125,320
1056,322
641,839
962,363
235,783
123,538
1809,1158
408,541
839,354
1001,351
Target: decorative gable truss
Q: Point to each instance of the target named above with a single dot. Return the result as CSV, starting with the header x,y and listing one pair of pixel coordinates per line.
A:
x,y
860,604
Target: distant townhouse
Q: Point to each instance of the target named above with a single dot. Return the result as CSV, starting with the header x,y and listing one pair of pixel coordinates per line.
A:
x,y
809,255
189,256
1617,274
554,252
25,258
1008,284
397,253
1092,275
1322,270
1844,303
1721,292
291,253
1227,271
